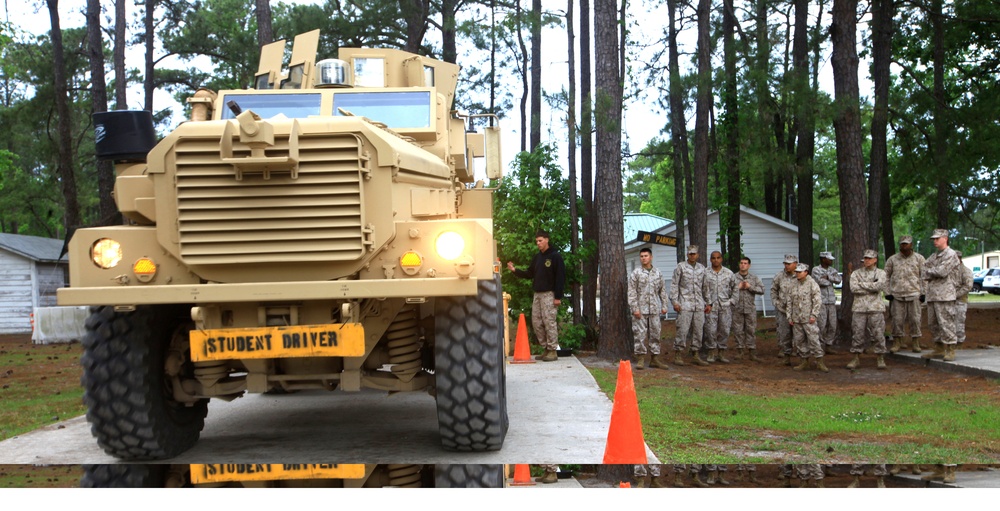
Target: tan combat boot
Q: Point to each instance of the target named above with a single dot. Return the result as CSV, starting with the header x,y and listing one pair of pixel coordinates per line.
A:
x,y
856,483
711,355
896,469
802,366
880,482
819,484
916,470
880,362
656,483
678,358
740,476
679,480
895,345
916,347
949,474
722,479
696,358
550,356
821,366
753,477
949,353
696,479
641,364
855,362
654,361
740,353
712,474
788,359
641,482
722,356
937,353
753,355
936,475
548,478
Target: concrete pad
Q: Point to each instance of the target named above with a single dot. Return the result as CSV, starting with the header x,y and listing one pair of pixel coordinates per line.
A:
x,y
557,415
973,362
989,478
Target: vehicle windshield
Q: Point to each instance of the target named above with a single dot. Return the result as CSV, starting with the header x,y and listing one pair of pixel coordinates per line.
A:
x,y
269,106
394,109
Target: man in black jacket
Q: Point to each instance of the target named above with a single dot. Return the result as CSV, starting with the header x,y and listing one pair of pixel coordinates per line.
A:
x,y
548,274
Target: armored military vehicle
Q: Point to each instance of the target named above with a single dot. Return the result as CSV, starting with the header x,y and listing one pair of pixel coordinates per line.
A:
x,y
322,230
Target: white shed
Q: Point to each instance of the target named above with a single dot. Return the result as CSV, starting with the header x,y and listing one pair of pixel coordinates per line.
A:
x,y
30,273
982,261
765,239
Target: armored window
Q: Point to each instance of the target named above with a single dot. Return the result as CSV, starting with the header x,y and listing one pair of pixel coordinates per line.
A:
x,y
269,106
394,109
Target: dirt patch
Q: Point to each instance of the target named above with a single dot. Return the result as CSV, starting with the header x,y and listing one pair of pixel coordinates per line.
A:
x,y
39,383
40,476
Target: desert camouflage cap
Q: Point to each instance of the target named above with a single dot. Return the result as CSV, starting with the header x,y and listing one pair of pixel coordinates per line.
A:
x,y
826,255
791,258
692,249
870,254
939,233
802,267
908,240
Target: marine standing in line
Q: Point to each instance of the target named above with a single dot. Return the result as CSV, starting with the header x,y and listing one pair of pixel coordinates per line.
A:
x,y
647,299
868,326
827,276
804,302
906,292
783,279
745,287
688,295
719,319
938,270
548,274
963,285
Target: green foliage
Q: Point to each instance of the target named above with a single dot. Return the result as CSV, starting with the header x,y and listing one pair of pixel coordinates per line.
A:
x,y
522,206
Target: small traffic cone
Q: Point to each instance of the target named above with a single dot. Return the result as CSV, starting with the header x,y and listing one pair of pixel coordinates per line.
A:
x,y
624,484
522,476
625,442
522,352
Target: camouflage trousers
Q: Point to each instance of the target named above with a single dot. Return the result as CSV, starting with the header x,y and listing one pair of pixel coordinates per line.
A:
x,y
877,469
645,470
543,320
807,471
805,339
941,320
690,324
827,322
784,332
745,329
868,327
550,468
905,314
717,326
646,332
961,308
749,467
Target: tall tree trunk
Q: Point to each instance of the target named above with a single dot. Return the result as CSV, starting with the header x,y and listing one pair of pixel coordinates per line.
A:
x,y
149,41
414,14
64,141
730,129
121,81
574,217
806,123
616,334
678,130
264,33
107,209
850,160
699,204
590,225
772,183
879,207
525,90
536,74
941,125
449,49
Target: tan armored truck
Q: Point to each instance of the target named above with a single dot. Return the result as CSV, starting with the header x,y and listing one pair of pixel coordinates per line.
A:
x,y
320,231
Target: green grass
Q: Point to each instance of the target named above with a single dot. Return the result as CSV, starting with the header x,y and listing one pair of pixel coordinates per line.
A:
x,y
983,298
40,386
25,410
682,424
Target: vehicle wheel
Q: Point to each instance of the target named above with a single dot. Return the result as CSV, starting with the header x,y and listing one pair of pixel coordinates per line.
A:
x,y
468,476
123,476
130,405
977,287
469,370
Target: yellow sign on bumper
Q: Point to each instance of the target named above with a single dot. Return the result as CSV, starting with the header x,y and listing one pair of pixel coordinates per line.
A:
x,y
231,472
333,340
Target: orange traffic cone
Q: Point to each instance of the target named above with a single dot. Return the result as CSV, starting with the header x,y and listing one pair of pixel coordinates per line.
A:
x,y
625,443
522,352
624,484
522,476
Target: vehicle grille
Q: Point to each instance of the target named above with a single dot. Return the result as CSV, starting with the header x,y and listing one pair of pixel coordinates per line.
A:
x,y
315,217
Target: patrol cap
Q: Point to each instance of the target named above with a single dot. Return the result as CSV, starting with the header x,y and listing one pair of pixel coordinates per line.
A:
x,y
692,249
870,254
906,240
827,255
940,233
802,267
791,258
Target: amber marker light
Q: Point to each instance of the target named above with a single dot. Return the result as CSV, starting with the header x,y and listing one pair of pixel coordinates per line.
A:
x,y
410,262
106,253
449,245
144,269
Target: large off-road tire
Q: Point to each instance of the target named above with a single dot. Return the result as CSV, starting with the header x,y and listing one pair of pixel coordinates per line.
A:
x,y
468,476
127,393
469,370
123,476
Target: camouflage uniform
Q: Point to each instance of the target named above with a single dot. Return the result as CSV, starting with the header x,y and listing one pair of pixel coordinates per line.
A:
x,y
905,286
963,285
745,309
548,274
809,471
938,270
641,471
687,289
648,295
720,297
779,289
878,469
827,319
868,325
804,301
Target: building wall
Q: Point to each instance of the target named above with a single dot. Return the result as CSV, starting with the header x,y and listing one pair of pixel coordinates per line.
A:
x,y
15,293
49,277
992,260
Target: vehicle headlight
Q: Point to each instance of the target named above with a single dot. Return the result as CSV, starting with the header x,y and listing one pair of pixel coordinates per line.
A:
x,y
106,253
449,245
